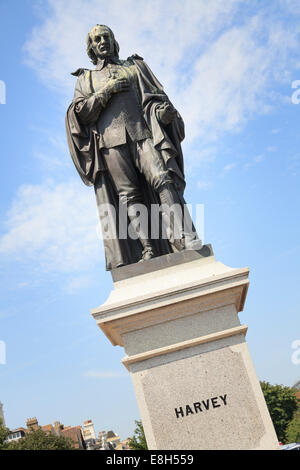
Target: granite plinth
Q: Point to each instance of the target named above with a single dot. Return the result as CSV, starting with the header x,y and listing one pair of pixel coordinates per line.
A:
x,y
186,352
160,262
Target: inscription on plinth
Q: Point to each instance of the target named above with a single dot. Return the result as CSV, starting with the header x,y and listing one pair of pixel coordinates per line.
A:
x,y
185,402
200,406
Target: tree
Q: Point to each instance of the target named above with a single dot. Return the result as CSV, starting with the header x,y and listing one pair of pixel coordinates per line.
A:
x,y
293,429
40,440
138,441
4,432
282,403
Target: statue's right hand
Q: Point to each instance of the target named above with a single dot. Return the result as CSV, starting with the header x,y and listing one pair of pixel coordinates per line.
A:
x,y
115,85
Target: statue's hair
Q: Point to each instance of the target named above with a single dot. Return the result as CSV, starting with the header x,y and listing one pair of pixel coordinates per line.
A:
x,y
89,49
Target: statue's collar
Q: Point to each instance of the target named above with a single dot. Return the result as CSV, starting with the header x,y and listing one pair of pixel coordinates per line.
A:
x,y
109,60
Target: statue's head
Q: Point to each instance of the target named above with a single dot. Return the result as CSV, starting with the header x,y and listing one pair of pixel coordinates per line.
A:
x,y
101,43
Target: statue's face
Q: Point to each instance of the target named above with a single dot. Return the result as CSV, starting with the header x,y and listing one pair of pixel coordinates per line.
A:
x,y
102,42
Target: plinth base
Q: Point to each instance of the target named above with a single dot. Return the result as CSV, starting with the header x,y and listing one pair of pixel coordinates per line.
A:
x,y
194,380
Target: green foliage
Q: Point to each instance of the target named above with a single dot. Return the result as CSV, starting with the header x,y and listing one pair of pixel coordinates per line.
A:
x,y
138,441
293,429
282,403
4,432
40,440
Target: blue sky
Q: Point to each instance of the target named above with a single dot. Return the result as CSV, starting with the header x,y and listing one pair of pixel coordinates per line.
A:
x,y
229,68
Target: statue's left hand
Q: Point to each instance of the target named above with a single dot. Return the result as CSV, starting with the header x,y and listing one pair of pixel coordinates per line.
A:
x,y
166,113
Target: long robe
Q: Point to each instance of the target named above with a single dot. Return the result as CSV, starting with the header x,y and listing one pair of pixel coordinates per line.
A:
x,y
85,151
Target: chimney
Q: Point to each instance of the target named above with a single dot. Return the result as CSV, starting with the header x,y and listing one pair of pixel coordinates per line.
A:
x,y
32,424
58,427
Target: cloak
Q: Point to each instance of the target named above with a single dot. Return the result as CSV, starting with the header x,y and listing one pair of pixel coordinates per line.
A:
x,y
83,141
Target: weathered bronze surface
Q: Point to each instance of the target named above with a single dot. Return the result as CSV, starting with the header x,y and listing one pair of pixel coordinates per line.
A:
x,y
124,137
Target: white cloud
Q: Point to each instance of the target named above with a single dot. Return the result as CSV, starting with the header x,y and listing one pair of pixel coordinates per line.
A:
x,y
255,161
161,31
54,225
235,77
218,60
197,156
53,152
230,166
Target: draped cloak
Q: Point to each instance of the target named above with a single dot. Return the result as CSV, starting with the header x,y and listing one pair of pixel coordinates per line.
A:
x,y
84,145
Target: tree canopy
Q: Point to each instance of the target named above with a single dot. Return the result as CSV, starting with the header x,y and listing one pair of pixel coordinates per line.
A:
x,y
282,403
35,440
138,441
293,429
40,440
4,432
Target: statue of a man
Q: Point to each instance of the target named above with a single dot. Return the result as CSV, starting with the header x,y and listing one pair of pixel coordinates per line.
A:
x,y
124,137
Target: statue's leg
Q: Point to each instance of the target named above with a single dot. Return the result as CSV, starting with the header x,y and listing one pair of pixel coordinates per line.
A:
x,y
152,166
125,179
179,219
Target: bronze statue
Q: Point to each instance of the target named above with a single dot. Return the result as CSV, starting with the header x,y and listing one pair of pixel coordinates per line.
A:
x,y
124,137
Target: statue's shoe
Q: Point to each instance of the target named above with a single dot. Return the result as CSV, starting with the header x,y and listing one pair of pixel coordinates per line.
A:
x,y
148,253
188,243
195,244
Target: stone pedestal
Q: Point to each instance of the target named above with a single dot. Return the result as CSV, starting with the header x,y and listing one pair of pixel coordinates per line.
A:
x,y
177,318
